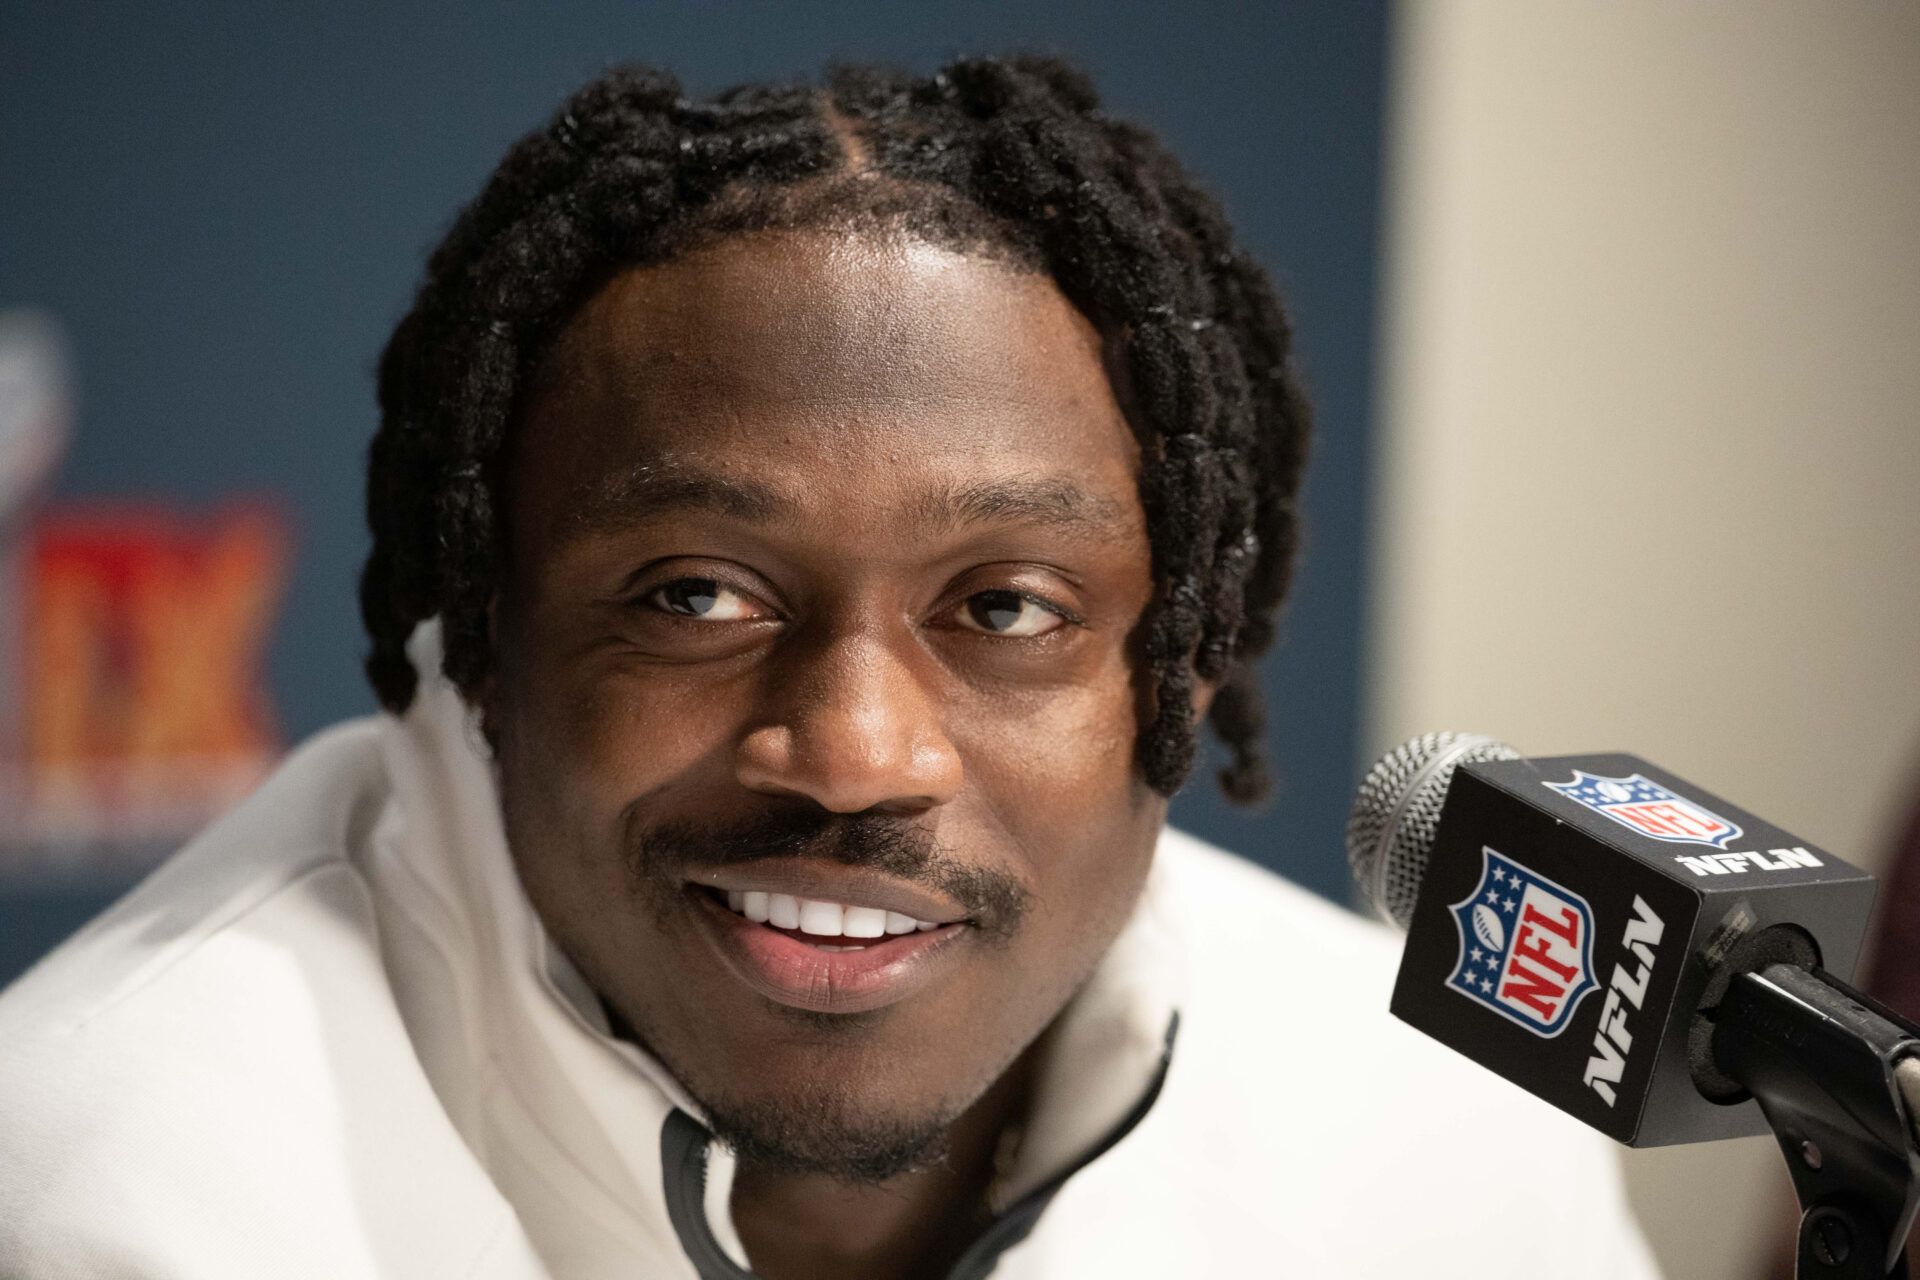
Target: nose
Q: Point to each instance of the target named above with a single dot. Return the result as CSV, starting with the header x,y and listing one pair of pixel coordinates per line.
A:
x,y
852,723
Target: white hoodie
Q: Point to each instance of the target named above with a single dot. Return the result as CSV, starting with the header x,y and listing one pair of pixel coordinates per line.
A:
x,y
331,1039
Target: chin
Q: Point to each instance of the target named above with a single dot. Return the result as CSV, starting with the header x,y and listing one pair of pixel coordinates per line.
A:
x,y
831,1101
834,1133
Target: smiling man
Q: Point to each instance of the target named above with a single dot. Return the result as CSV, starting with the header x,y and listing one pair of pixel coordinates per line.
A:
x,y
809,526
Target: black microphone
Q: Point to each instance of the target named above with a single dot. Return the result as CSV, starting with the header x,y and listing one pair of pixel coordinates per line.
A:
x,y
1654,961
1567,916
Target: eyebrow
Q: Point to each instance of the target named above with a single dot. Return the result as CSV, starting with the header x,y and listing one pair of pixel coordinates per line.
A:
x,y
1057,503
649,490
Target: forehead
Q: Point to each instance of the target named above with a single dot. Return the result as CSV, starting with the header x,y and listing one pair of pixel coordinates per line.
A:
x,y
840,367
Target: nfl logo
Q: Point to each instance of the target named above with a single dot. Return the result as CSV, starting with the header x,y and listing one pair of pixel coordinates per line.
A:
x,y
1650,809
1526,946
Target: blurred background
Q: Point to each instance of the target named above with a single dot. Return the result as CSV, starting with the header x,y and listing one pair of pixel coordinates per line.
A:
x,y
1611,315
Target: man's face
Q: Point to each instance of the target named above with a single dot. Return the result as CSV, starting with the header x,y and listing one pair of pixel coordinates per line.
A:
x,y
824,555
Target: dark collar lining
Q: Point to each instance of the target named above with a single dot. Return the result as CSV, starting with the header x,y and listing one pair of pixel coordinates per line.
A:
x,y
683,1161
683,1174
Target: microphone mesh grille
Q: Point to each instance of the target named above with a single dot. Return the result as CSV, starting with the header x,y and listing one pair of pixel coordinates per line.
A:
x,y
1396,814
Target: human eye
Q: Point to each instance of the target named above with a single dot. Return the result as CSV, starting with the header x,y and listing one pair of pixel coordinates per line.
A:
x,y
1013,614
704,599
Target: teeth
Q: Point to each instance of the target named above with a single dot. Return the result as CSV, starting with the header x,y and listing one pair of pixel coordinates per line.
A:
x,y
865,922
826,919
823,919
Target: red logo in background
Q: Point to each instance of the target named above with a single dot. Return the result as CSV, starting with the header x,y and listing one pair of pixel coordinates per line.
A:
x,y
141,712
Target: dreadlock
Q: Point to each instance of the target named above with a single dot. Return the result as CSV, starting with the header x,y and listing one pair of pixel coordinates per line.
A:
x,y
1007,156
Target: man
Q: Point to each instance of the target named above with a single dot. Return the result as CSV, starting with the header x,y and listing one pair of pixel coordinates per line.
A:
x,y
808,527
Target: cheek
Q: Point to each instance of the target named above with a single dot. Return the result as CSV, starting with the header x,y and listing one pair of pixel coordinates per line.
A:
x,y
1060,782
582,740
1060,756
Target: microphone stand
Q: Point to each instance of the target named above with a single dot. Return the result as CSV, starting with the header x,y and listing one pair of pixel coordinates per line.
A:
x,y
1837,1076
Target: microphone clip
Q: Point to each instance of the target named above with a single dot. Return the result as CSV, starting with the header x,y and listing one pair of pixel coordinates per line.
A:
x,y
1837,1076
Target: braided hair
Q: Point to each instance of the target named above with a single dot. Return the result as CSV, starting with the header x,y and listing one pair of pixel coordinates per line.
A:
x,y
1004,156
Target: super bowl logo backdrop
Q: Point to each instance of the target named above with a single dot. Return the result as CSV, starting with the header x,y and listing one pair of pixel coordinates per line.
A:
x,y
142,712
1642,805
132,704
1526,946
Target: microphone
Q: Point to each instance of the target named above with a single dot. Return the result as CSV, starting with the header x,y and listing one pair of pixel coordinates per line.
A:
x,y
1574,924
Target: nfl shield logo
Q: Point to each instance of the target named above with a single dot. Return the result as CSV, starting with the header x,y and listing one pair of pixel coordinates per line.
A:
x,y
1650,809
1526,946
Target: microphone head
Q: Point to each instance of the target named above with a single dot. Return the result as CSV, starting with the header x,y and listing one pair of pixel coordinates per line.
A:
x,y
1396,814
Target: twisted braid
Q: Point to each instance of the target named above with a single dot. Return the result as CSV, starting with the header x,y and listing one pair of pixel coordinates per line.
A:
x,y
1010,157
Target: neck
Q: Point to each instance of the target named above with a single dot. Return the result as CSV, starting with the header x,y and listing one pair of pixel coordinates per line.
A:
x,y
808,1226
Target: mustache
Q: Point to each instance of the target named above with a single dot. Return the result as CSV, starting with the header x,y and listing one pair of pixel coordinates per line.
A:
x,y
896,846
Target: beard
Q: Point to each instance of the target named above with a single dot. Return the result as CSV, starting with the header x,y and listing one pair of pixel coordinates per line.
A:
x,y
819,1130
825,1134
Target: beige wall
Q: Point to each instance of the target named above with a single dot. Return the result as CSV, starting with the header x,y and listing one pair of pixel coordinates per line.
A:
x,y
1650,470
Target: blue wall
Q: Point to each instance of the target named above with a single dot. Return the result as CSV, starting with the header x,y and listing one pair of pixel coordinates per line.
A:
x,y
228,205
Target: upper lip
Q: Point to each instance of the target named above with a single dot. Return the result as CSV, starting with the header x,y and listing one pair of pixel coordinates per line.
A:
x,y
832,882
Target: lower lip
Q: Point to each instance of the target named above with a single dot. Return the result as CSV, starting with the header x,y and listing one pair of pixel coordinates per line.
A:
x,y
802,976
